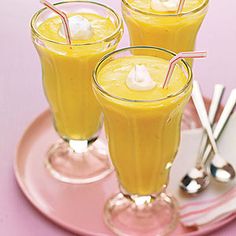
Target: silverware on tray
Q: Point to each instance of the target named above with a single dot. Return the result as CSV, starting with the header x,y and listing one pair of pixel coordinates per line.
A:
x,y
198,178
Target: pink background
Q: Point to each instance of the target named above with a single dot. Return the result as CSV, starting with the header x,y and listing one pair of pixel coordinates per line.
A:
x,y
22,99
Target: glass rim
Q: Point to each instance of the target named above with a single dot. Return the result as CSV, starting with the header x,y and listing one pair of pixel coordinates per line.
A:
x,y
103,91
106,39
195,10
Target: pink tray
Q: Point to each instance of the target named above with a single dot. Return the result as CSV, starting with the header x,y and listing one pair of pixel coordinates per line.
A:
x,y
76,208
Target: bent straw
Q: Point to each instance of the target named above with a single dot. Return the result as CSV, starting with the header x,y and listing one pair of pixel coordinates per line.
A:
x,y
180,6
63,17
178,57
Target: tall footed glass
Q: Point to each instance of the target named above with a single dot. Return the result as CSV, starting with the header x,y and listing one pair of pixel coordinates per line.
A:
x,y
79,157
143,131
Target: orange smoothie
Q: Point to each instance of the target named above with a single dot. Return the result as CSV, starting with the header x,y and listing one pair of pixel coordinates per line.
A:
x,y
163,28
67,71
142,126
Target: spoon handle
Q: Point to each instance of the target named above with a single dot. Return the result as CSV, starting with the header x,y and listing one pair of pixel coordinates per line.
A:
x,y
229,106
216,99
215,102
202,113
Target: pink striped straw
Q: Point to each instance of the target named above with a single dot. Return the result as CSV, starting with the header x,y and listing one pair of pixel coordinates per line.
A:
x,y
178,57
180,6
63,17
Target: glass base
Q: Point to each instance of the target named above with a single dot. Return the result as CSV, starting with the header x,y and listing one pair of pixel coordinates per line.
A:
x,y
145,215
78,162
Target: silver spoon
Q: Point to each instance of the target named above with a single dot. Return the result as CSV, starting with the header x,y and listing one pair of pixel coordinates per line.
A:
x,y
197,179
222,166
222,172
215,103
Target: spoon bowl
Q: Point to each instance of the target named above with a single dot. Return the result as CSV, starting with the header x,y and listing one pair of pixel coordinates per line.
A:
x,y
222,173
195,181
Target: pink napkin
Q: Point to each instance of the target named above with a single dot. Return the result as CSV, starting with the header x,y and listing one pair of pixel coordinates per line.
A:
x,y
206,211
218,201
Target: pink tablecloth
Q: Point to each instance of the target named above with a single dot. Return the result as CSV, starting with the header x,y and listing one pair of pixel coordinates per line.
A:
x,y
21,97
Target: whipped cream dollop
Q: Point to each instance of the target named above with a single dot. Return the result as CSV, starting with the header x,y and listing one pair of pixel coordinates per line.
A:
x,y
164,5
140,79
80,28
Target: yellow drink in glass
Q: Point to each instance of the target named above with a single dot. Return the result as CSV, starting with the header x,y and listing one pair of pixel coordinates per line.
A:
x,y
67,73
164,28
143,131
67,76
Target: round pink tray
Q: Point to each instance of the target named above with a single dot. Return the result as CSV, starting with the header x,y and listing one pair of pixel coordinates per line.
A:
x,y
78,208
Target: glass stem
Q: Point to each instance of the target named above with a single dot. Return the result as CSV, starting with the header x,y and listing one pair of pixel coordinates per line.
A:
x,y
79,146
